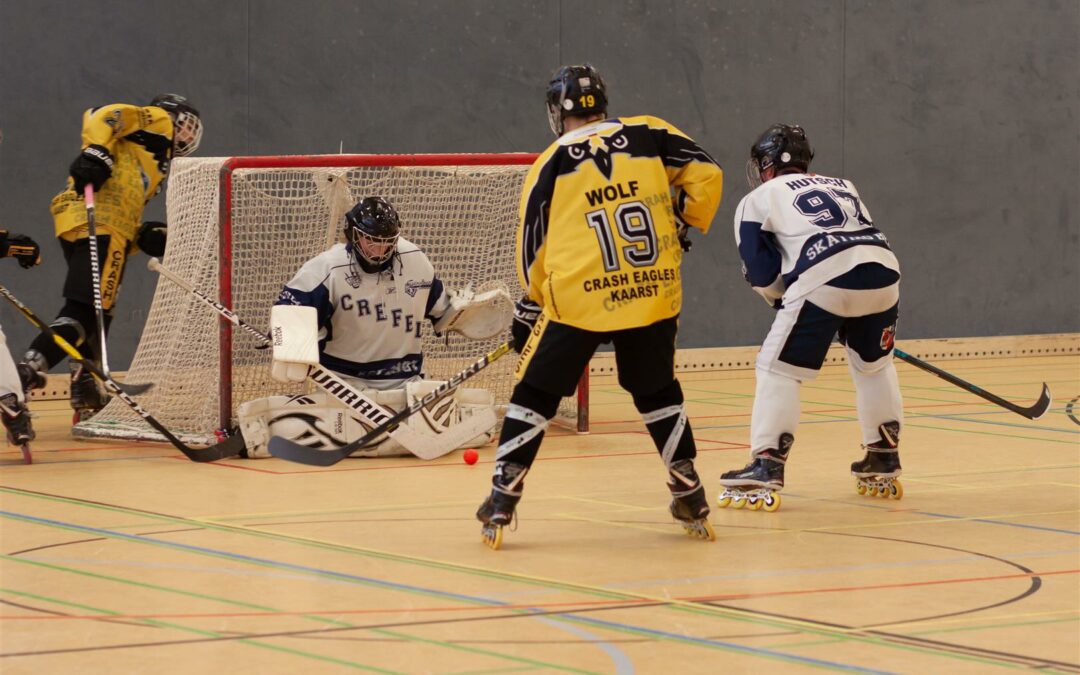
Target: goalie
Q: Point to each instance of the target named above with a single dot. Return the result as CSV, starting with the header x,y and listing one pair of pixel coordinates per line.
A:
x,y
357,309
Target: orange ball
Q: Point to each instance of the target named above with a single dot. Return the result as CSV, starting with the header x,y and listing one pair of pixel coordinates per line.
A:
x,y
471,456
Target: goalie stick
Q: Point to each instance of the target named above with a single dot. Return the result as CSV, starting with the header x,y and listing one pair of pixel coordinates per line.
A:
x,y
421,445
285,449
1033,412
228,448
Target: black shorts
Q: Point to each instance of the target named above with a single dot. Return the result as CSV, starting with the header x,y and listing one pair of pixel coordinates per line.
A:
x,y
556,354
112,257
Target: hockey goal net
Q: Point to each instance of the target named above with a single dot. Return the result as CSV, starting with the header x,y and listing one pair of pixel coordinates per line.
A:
x,y
240,227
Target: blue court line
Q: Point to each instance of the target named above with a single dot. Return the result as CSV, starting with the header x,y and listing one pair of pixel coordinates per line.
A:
x,y
756,651
996,522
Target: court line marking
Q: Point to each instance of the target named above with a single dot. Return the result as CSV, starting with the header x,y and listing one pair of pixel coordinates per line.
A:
x,y
397,586
856,634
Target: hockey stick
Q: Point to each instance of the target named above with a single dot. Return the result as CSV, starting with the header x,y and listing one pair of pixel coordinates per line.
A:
x,y
421,445
1032,413
95,279
228,448
294,452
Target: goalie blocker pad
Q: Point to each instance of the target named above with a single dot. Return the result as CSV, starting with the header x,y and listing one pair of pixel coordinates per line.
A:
x,y
477,316
319,420
294,335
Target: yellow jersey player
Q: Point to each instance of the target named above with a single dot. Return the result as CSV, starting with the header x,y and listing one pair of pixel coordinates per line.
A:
x,y
126,150
603,224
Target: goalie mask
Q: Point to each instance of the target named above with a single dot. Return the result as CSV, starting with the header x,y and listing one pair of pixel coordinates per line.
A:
x,y
780,147
574,91
371,228
187,126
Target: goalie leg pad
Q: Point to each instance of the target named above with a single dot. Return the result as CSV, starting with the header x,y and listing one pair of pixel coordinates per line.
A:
x,y
317,420
442,414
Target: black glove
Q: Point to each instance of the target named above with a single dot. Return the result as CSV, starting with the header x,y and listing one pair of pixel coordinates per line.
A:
x,y
21,247
684,238
526,312
93,166
151,238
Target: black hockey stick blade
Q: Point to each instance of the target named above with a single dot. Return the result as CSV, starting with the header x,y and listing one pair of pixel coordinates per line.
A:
x,y
1032,412
230,447
283,448
135,389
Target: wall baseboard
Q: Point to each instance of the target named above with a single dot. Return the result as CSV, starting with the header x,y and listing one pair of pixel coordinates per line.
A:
x,y
742,358
705,359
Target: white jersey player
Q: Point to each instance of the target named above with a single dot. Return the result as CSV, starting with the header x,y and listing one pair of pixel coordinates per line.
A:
x,y
364,302
13,411
810,248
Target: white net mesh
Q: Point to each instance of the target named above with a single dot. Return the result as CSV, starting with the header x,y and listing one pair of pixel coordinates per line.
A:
x,y
462,216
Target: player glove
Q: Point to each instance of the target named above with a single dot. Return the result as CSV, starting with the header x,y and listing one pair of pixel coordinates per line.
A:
x,y
93,166
684,238
526,312
21,247
151,238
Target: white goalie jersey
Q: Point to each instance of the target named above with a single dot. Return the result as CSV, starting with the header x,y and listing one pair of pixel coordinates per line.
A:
x,y
798,231
370,323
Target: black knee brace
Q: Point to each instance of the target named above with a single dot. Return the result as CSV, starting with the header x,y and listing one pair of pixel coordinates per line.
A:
x,y
526,420
665,418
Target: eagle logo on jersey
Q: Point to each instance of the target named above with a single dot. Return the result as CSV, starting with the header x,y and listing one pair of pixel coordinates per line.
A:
x,y
352,278
411,287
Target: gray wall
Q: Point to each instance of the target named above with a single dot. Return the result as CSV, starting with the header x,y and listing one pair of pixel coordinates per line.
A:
x,y
957,119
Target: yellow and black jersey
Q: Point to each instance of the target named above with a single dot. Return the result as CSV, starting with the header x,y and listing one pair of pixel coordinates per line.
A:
x,y
600,209
140,142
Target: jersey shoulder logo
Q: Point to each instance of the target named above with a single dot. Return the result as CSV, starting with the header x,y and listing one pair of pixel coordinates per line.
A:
x,y
411,286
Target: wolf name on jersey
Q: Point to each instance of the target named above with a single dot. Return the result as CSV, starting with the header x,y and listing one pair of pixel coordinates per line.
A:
x,y
140,140
369,323
598,243
798,231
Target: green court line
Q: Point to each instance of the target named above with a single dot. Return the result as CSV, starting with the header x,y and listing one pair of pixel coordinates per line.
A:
x,y
175,626
265,608
700,609
844,418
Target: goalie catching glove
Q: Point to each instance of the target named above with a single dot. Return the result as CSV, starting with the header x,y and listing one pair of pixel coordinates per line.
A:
x,y
476,315
294,335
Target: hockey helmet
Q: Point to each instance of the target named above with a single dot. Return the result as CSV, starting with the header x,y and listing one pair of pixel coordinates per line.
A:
x,y
371,228
780,146
574,91
187,126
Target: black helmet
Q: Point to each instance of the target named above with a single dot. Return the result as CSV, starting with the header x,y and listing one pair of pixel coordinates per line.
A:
x,y
371,228
577,91
187,125
781,146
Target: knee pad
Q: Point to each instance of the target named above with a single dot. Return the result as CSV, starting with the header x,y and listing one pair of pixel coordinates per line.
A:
x,y
542,403
670,395
526,420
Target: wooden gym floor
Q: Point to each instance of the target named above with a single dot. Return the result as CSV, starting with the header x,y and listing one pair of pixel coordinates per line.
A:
x,y
121,557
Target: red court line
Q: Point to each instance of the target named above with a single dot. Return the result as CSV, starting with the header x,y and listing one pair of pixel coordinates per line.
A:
x,y
627,602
